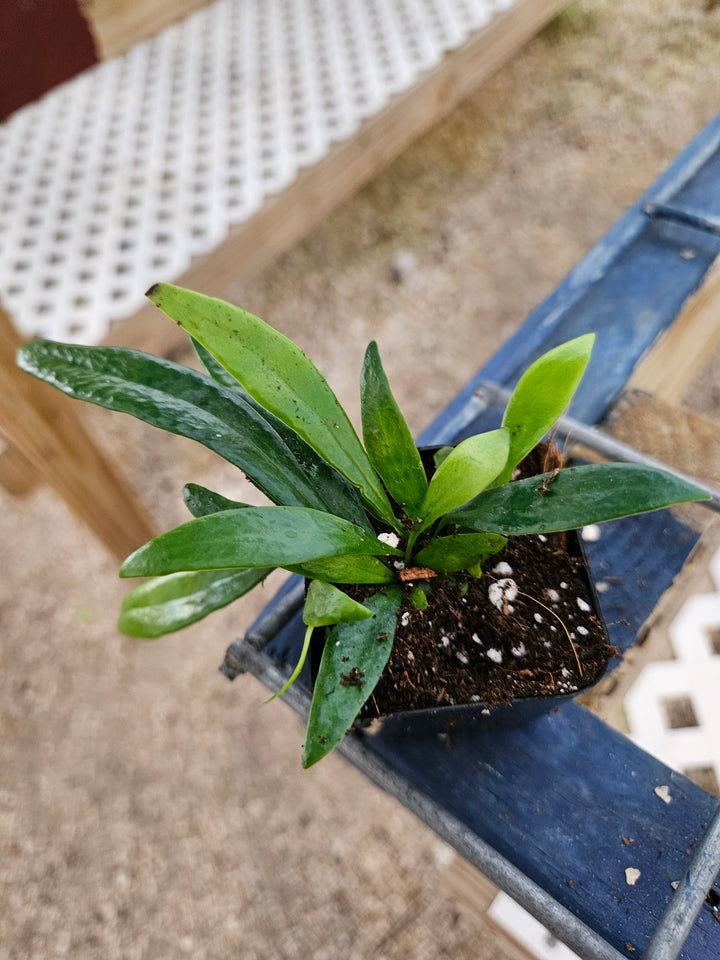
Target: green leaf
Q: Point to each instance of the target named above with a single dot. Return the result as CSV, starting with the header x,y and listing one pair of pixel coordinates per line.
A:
x,y
460,551
326,605
577,496
202,502
352,649
182,401
170,603
471,466
387,438
541,396
251,537
279,375
338,492
351,569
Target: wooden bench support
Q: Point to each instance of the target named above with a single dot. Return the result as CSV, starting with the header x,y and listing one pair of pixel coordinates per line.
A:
x,y
46,430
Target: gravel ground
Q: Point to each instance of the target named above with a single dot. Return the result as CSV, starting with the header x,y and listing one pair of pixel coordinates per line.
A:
x,y
149,808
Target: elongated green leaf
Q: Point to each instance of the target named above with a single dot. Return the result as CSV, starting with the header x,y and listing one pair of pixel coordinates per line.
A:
x,y
387,438
471,466
354,657
461,551
190,404
279,375
170,603
251,537
338,492
326,605
344,570
577,496
542,395
202,502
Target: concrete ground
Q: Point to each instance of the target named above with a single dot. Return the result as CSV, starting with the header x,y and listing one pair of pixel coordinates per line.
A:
x,y
149,808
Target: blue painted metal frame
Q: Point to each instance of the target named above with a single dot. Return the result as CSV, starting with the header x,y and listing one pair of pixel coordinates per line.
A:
x,y
555,812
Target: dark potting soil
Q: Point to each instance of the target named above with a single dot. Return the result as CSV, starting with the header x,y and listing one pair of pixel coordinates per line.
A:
x,y
525,628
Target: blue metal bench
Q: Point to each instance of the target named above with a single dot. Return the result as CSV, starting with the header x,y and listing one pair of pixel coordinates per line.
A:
x,y
555,812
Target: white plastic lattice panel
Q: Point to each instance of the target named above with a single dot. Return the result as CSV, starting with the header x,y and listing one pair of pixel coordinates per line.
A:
x,y
117,178
673,708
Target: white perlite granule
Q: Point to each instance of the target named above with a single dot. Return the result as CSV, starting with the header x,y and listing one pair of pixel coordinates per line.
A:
x,y
405,619
461,657
520,650
538,617
552,595
583,631
476,638
391,539
495,655
503,569
583,605
502,592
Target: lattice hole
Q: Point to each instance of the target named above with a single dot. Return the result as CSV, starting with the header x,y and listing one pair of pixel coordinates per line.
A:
x,y
705,777
680,713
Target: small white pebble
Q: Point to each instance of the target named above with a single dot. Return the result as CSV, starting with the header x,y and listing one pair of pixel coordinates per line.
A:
x,y
405,619
445,641
391,539
632,875
477,639
566,672
502,592
542,538
538,617
664,793
461,657
583,604
495,655
552,595
485,712
399,564
591,533
503,569
520,650
563,586
553,628
475,698
547,644
583,631
410,655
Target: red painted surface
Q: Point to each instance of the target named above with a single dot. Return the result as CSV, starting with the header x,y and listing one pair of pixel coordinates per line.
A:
x,y
42,43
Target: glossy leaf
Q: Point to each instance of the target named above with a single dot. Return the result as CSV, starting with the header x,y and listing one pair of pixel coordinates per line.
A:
x,y
251,537
202,502
182,401
279,375
467,470
350,569
541,396
387,438
575,497
170,603
326,605
355,655
338,492
462,551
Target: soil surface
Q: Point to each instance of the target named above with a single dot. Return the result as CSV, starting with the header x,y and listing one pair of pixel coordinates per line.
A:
x,y
149,809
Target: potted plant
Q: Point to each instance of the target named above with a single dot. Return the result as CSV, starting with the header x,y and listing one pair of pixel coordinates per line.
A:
x,y
395,552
